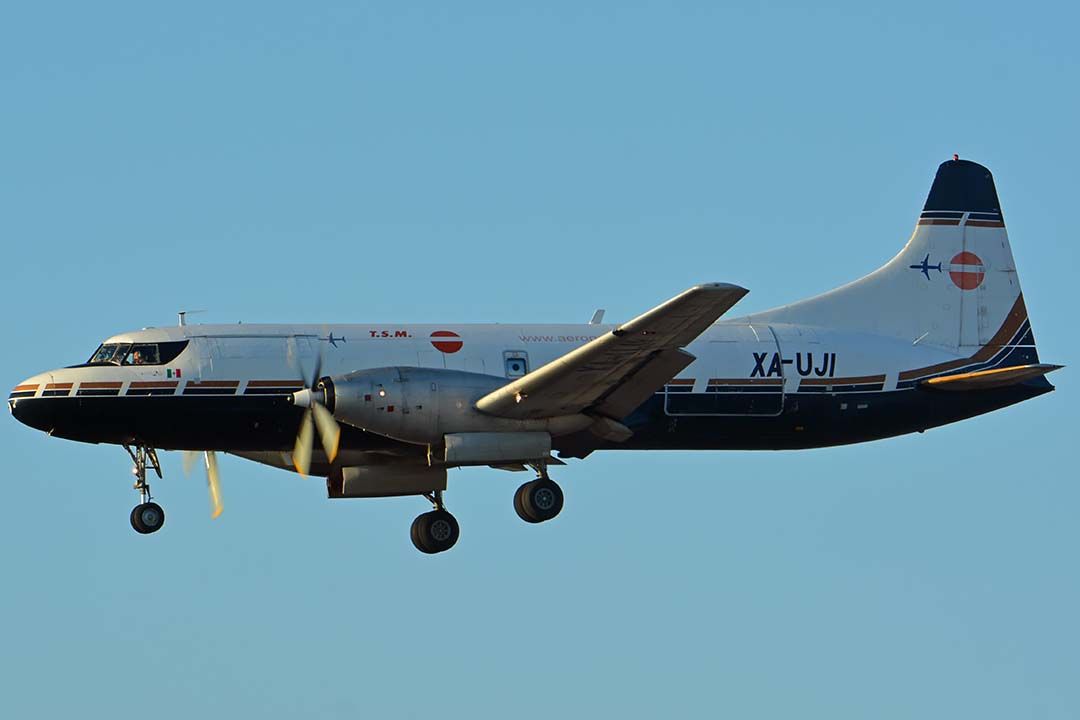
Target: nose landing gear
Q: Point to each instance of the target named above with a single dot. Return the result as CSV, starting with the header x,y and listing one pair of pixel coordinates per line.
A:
x,y
146,517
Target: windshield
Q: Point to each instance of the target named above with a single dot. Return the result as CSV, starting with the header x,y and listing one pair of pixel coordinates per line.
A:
x,y
109,354
137,353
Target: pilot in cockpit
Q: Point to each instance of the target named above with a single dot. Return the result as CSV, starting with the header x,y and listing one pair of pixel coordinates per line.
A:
x,y
142,355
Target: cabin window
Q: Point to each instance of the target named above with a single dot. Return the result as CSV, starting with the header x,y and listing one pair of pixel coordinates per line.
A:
x,y
516,364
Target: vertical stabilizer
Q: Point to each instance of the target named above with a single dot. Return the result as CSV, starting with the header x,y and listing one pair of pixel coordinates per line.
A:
x,y
953,286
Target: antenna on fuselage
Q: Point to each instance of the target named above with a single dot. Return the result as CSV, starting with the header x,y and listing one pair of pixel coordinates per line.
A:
x,y
182,315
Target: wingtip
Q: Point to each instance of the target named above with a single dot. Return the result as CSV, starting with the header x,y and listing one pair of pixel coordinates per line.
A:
x,y
720,287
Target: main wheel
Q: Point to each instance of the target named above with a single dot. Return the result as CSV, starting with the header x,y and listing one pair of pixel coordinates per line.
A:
x,y
435,532
519,508
147,518
538,501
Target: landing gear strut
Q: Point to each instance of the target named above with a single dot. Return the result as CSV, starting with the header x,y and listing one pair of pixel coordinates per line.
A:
x,y
540,500
435,531
146,517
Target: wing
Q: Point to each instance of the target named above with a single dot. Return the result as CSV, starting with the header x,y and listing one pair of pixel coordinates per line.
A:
x,y
616,372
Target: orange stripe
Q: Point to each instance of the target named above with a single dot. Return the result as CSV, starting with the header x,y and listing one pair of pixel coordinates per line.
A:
x,y
276,383
1011,324
979,374
59,386
24,388
100,385
681,381
863,380
153,384
986,223
936,221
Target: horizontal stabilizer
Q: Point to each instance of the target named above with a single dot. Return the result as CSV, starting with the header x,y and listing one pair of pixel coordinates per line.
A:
x,y
987,379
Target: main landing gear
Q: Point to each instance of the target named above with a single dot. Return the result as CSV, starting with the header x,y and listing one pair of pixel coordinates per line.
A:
x,y
435,531
538,501
146,517
535,502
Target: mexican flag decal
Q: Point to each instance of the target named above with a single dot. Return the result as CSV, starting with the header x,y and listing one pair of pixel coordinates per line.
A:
x,y
173,373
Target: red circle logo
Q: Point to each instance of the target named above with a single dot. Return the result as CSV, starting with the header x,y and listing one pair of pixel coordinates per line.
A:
x,y
446,341
967,271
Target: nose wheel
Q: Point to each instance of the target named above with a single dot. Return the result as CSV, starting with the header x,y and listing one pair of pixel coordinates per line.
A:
x,y
436,531
146,517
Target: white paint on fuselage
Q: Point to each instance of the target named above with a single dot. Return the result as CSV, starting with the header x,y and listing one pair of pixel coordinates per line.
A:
x,y
287,352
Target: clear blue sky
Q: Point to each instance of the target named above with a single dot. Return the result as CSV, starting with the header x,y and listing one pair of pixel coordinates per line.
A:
x,y
532,162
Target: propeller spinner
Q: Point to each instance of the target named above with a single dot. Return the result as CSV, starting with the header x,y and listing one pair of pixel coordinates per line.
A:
x,y
316,417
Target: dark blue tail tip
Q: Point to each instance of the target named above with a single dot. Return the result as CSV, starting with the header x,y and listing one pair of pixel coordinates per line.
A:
x,y
963,185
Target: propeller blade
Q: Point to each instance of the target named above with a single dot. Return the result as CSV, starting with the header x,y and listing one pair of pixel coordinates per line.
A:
x,y
190,456
304,441
213,481
329,430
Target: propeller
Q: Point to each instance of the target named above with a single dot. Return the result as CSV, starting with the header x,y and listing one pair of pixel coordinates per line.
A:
x,y
213,479
316,417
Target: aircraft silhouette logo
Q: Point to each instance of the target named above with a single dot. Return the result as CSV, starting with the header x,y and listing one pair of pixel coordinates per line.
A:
x,y
925,267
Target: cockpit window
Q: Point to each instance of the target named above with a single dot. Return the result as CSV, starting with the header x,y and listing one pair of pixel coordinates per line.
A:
x,y
108,354
137,353
142,354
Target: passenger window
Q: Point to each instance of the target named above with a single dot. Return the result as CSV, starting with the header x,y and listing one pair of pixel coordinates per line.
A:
x,y
142,354
516,365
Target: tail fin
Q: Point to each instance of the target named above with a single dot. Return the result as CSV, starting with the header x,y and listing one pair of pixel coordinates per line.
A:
x,y
954,285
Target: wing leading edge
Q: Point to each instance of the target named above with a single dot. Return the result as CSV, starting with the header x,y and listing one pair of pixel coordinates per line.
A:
x,y
617,371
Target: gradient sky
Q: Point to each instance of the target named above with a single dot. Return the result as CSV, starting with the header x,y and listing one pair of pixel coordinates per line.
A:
x,y
530,162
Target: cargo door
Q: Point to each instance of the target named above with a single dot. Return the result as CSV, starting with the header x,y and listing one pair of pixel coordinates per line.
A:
x,y
746,371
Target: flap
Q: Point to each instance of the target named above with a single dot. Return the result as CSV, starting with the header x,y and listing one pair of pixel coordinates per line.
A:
x,y
638,386
600,371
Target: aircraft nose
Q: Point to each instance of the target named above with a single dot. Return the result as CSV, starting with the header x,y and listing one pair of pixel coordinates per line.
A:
x,y
28,407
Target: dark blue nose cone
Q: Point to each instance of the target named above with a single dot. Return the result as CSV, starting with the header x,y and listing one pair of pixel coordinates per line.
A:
x,y
36,412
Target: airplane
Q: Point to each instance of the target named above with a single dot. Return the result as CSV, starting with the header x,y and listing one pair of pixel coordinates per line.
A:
x,y
395,406
925,267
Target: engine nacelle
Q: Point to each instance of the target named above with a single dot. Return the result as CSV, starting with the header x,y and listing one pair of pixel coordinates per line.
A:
x,y
422,405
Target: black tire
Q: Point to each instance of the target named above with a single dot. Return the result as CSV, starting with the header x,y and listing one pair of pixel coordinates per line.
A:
x,y
435,532
414,533
147,518
519,503
136,524
540,500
